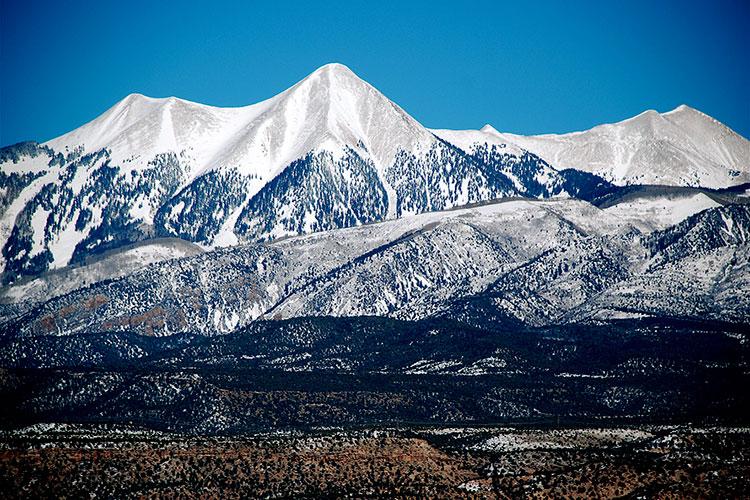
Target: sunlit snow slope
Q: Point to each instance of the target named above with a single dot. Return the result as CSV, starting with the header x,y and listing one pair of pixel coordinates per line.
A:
x,y
682,147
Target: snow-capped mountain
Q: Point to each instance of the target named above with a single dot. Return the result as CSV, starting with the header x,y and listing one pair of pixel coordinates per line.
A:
x,y
321,259
331,109
682,147
329,152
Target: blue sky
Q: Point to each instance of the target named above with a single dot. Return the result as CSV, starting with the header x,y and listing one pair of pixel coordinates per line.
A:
x,y
547,67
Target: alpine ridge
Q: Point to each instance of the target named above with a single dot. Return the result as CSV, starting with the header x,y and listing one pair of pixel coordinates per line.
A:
x,y
682,147
329,152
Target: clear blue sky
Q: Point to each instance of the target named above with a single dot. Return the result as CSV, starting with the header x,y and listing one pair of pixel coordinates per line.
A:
x,y
550,67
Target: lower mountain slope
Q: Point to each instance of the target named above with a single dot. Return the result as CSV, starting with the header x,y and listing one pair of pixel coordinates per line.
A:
x,y
531,262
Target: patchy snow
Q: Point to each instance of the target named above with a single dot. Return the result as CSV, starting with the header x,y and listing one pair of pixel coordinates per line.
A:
x,y
561,439
11,212
80,179
141,210
38,225
177,209
64,244
225,321
119,263
226,236
473,486
660,212
26,165
430,366
610,314
484,366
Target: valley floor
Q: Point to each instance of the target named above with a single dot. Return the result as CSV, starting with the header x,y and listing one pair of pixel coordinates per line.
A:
x,y
487,462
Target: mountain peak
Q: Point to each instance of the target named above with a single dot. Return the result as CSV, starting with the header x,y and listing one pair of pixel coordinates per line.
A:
x,y
682,147
136,99
685,110
649,114
682,108
489,129
331,73
135,96
334,67
334,105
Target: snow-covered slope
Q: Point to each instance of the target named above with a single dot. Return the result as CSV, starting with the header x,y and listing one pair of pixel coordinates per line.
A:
x,y
470,140
330,110
513,262
698,268
682,147
406,268
660,212
329,152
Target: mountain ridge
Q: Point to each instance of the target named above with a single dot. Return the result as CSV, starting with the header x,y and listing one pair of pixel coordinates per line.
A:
x,y
331,151
704,152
